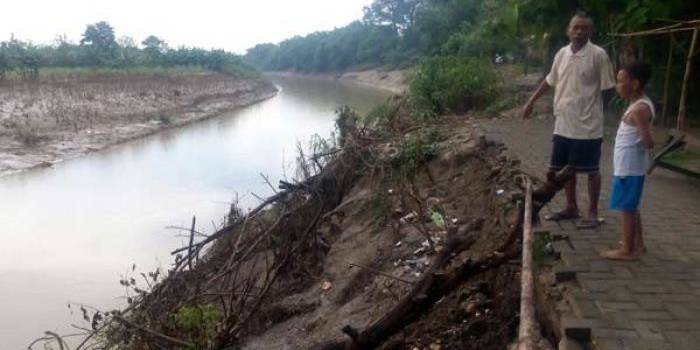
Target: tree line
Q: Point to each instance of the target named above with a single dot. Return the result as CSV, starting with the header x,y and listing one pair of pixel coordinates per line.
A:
x,y
400,33
99,48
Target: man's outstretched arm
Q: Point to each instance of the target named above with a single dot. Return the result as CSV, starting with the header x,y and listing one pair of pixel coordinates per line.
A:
x,y
541,89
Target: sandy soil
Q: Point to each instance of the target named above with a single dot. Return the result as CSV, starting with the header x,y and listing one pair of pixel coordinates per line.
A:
x,y
45,122
394,81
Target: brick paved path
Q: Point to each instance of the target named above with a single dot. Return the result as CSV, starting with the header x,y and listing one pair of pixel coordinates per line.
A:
x,y
653,303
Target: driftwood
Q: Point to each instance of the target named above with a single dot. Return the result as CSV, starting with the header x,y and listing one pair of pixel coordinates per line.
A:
x,y
436,283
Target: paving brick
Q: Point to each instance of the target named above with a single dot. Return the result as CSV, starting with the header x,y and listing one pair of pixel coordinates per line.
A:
x,y
649,315
614,306
648,330
577,329
654,298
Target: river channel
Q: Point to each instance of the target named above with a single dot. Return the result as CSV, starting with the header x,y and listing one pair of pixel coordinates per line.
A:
x,y
70,232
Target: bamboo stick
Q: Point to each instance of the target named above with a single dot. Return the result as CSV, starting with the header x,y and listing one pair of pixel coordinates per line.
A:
x,y
680,126
667,81
528,333
680,27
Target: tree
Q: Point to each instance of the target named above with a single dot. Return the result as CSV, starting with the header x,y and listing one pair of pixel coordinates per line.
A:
x,y
99,39
154,47
399,14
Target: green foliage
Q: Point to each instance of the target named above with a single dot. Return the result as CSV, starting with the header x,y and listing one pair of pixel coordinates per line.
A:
x,y
99,50
413,153
451,84
198,323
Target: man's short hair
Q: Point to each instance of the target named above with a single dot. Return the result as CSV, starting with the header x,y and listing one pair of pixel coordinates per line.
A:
x,y
639,71
583,14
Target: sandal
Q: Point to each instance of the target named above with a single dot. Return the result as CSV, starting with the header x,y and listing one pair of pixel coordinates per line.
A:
x,y
589,223
562,215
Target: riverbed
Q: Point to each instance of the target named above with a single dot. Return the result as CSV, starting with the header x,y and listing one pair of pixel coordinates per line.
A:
x,y
72,231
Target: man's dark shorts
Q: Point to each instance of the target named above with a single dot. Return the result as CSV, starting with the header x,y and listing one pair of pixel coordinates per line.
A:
x,y
582,155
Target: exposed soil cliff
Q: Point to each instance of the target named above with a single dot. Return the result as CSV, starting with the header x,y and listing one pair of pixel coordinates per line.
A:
x,y
42,122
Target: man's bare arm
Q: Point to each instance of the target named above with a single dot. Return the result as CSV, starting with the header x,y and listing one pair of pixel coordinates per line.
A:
x,y
541,89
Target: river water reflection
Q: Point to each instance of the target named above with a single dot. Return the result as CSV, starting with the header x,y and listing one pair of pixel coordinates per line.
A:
x,y
69,232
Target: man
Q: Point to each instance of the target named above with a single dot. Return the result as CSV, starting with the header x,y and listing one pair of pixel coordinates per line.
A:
x,y
580,72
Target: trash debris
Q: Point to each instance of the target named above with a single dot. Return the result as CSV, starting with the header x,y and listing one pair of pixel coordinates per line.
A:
x,y
326,286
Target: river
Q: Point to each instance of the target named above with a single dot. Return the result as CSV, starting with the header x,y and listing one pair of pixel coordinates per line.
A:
x,y
70,232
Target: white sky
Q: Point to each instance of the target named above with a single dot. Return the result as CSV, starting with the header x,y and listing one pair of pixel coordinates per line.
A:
x,y
234,25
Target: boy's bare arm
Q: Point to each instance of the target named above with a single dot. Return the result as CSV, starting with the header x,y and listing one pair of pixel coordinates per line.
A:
x,y
642,119
541,89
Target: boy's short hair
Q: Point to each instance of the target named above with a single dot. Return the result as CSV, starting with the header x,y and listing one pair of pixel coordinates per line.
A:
x,y
639,71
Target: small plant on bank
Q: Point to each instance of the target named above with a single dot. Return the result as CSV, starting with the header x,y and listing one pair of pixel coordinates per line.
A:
x,y
27,133
413,152
451,84
198,322
165,119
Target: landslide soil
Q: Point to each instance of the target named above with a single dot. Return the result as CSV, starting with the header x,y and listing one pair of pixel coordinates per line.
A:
x,y
349,241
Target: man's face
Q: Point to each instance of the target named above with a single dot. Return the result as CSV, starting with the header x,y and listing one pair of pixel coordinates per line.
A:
x,y
580,30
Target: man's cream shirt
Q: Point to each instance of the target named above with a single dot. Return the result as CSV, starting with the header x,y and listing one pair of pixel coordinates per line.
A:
x,y
578,79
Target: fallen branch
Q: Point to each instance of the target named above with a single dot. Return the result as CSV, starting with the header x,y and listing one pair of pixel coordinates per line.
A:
x,y
378,272
153,333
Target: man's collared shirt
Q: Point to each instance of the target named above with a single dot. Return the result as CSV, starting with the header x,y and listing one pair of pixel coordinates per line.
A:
x,y
578,79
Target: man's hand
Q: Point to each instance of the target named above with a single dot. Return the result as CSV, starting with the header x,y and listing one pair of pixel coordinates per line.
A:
x,y
526,113
527,110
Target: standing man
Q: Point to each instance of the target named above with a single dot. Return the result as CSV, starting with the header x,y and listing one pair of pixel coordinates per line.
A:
x,y
580,72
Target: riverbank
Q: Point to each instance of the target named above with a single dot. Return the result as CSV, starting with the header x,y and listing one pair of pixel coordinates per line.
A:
x,y
49,121
412,225
394,81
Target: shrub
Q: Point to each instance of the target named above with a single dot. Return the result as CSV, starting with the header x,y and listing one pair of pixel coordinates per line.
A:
x,y
198,323
451,84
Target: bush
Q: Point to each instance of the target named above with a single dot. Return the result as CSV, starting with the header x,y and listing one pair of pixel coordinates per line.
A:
x,y
451,84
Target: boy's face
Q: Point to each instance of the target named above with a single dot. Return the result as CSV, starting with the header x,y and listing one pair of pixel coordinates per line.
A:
x,y
626,86
579,30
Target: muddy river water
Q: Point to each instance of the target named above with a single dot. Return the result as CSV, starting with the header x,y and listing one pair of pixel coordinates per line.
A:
x,y
70,232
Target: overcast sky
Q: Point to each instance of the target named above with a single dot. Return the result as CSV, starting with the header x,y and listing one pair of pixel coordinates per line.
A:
x,y
234,25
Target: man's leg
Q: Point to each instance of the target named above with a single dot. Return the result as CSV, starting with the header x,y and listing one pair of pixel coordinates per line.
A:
x,y
561,157
570,190
593,194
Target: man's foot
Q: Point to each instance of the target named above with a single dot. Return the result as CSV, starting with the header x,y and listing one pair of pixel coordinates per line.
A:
x,y
566,214
618,254
638,250
589,223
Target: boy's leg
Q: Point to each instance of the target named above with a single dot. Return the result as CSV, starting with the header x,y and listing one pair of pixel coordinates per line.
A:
x,y
626,250
639,247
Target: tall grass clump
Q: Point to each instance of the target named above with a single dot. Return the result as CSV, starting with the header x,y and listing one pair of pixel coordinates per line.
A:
x,y
451,84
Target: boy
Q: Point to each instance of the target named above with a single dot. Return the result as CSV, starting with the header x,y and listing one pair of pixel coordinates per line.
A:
x,y
631,157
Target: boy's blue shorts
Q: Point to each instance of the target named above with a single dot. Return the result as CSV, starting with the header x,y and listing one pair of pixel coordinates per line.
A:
x,y
626,192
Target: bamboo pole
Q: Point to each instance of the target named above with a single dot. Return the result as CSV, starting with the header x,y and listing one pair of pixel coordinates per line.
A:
x,y
680,126
680,27
528,333
667,81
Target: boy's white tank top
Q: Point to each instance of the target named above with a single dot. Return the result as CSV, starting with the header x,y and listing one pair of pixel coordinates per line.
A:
x,y
630,157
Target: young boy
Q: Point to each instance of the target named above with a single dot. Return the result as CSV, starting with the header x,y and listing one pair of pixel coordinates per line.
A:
x,y
631,157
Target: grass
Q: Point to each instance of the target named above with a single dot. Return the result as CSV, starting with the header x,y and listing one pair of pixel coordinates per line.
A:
x,y
58,73
687,159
